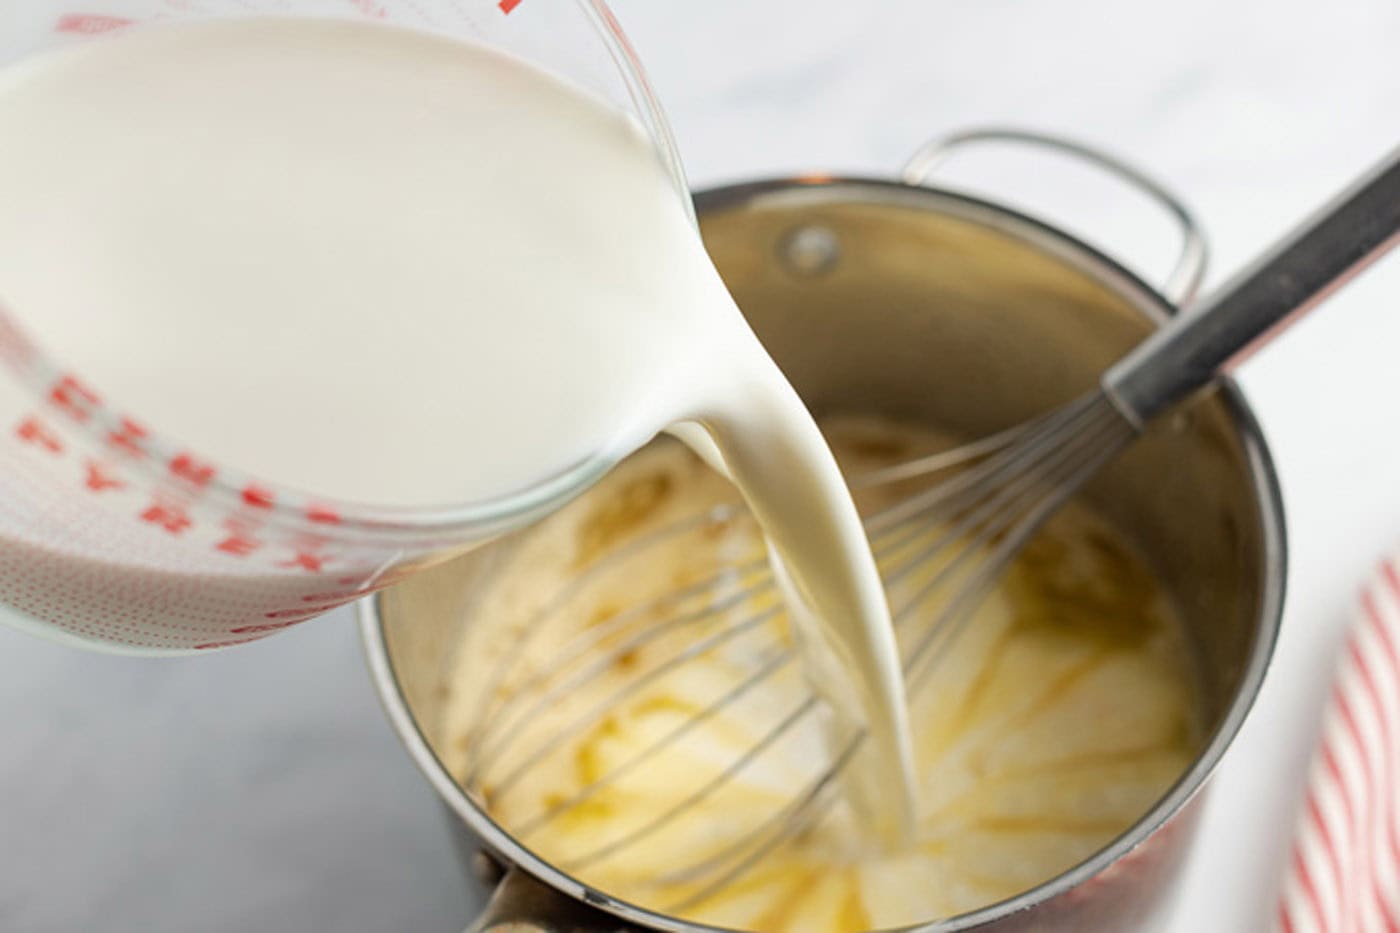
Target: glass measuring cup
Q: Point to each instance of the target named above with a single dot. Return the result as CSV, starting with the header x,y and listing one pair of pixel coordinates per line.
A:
x,y
114,537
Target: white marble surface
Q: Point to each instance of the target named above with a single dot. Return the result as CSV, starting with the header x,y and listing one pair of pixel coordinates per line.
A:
x,y
261,789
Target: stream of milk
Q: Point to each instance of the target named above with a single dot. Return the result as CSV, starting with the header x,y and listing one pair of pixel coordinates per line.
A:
x,y
394,269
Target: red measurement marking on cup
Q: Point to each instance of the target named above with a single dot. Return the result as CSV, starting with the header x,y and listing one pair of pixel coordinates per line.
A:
x,y
33,431
322,515
192,469
370,8
338,597
129,438
263,628
291,616
91,24
239,545
211,645
172,518
309,561
508,5
73,398
360,587
259,497
99,479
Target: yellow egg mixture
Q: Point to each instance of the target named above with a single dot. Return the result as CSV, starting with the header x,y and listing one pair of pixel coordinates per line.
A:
x,y
628,704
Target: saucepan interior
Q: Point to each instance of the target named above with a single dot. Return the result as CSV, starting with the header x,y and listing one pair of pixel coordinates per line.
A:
x,y
924,305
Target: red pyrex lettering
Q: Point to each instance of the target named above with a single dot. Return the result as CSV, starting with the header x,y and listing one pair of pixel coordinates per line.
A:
x,y
259,497
195,471
172,518
33,431
73,398
322,515
98,479
239,545
129,438
305,560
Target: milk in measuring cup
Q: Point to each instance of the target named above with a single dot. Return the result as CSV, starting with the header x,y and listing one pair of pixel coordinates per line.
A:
x,y
384,268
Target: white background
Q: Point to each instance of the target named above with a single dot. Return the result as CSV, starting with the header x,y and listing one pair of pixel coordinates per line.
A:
x,y
261,789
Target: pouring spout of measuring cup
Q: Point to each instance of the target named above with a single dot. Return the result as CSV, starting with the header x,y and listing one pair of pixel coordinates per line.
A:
x,y
694,435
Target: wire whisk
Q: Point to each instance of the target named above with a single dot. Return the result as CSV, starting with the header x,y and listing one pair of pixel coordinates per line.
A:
x,y
940,549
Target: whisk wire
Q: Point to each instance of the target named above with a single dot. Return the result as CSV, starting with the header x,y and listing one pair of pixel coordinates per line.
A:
x,y
771,666
1099,444
671,814
785,824
634,685
980,518
1106,435
1082,458
490,700
505,726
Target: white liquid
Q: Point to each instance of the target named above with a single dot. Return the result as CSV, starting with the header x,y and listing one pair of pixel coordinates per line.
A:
x,y
388,268
1059,716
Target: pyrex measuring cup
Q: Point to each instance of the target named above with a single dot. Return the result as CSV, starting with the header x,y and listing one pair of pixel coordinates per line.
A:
x,y
114,537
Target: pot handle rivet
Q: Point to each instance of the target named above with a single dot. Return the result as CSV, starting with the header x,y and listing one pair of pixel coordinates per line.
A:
x,y
811,250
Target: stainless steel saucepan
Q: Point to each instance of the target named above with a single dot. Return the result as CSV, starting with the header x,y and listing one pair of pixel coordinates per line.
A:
x,y
901,298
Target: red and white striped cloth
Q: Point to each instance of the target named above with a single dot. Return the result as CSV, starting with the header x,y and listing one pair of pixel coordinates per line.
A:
x,y
1344,873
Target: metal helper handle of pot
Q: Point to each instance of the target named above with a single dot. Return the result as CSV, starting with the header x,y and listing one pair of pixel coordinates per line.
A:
x,y
522,904
1186,275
